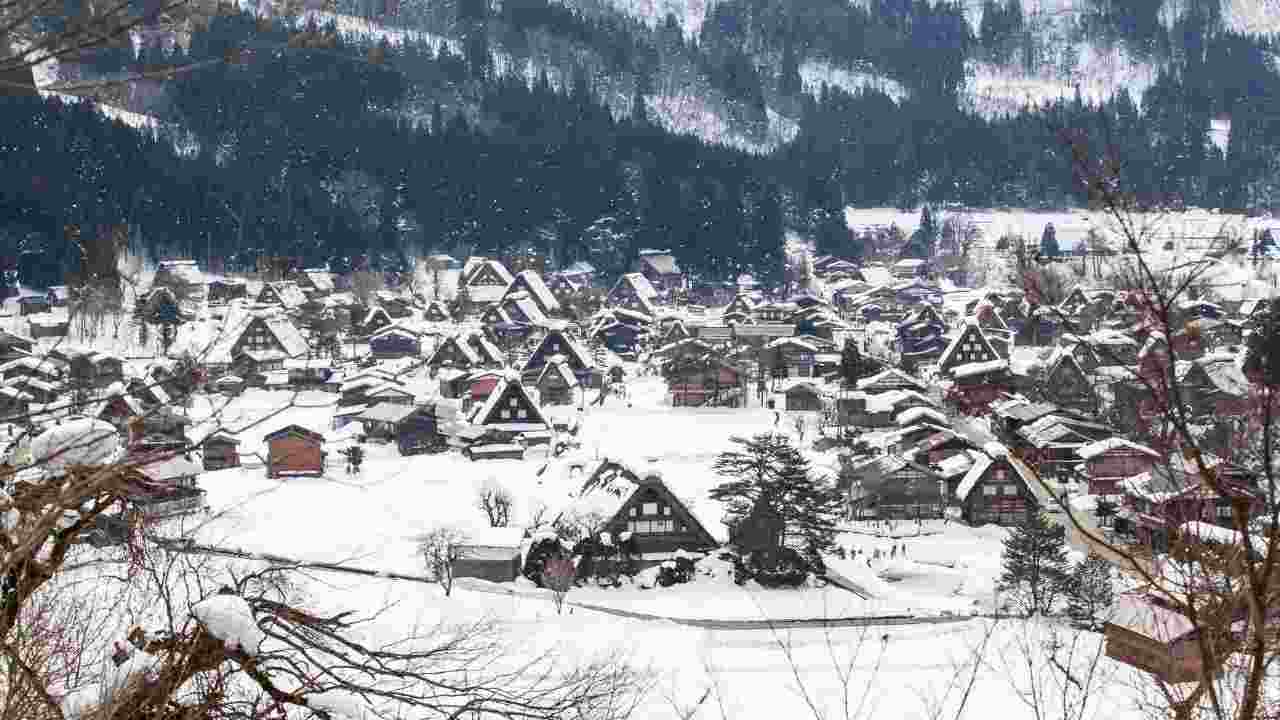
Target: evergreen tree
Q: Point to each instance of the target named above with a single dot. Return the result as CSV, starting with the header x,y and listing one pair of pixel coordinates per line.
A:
x,y
1090,591
850,362
772,497
789,81
1035,565
640,111
1049,242
925,239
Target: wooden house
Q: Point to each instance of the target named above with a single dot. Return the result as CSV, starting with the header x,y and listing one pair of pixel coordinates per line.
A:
x,y
374,320
1049,444
1106,463
1074,302
510,408
455,352
220,451
47,326
633,291
484,281
224,290
530,283
284,293
1173,492
164,487
556,383
33,305
118,410
395,341
14,403
491,554
649,521
1152,635
806,397
563,287
660,269
47,368
419,431
997,489
790,357
40,392
708,380
561,343
1067,385
381,419
1215,387
743,304
969,347
13,346
314,283
294,450
95,369
893,487
909,268
266,339
622,333
397,306
437,311
183,278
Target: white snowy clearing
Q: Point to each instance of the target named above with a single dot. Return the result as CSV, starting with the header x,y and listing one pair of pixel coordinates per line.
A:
x,y
816,73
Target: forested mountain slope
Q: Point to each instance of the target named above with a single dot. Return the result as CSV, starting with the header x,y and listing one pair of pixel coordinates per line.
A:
x,y
592,128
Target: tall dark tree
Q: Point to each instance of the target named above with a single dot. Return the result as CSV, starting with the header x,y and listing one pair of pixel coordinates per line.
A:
x,y
1049,242
1034,565
772,497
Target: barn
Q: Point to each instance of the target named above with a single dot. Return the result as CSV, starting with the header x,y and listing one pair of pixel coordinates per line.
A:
x,y
294,450
491,554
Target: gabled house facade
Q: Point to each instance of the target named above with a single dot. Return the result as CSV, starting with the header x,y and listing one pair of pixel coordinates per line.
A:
x,y
510,408
285,294
530,282
294,450
997,489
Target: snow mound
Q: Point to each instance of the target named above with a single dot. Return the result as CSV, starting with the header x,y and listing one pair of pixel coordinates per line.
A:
x,y
228,618
337,704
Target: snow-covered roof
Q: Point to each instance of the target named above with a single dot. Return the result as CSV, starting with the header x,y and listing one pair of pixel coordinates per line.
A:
x,y
1145,617
915,414
386,412
980,464
1094,449
533,282
978,368
81,441
792,340
1208,532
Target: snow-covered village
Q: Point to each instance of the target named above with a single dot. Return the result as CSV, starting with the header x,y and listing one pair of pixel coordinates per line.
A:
x,y
912,488
640,360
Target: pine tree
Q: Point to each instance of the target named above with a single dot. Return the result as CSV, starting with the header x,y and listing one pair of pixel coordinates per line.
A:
x,y
772,496
850,362
1049,242
789,81
1089,590
1035,565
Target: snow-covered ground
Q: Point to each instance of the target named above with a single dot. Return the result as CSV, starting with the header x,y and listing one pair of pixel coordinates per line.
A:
x,y
1099,74
816,73
693,115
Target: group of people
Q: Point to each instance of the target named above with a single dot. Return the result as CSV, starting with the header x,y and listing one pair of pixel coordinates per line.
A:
x,y
880,554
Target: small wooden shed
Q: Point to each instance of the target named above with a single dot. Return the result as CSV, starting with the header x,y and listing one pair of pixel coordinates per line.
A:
x,y
491,554
1149,635
294,450
219,450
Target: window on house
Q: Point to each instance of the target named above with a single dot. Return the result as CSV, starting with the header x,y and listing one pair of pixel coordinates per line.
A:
x,y
1010,489
1224,511
651,527
989,489
650,508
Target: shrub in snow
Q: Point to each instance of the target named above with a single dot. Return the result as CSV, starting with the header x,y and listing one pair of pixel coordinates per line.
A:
x,y
229,618
675,572
540,551
786,569
1090,591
